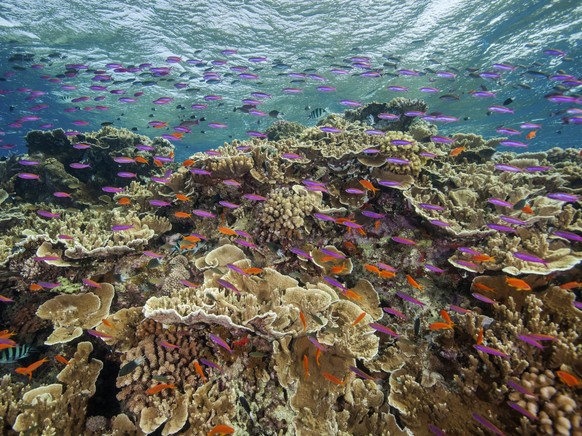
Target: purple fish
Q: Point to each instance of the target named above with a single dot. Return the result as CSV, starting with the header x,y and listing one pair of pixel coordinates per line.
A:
x,y
220,342
394,312
292,90
483,298
45,258
226,284
201,172
400,142
491,351
350,103
371,151
433,268
159,203
442,139
126,175
236,269
229,204
469,251
398,160
28,162
48,285
334,282
374,132
404,241
121,227
499,202
435,430
383,329
487,424
153,254
410,299
458,309
520,388
300,252
323,217
508,168
531,341
361,374
563,196
329,129
507,131
521,410
431,206
388,117
439,223
47,214
536,169
210,364
568,235
512,143
355,191
254,197
529,258
79,165
203,213
315,342
372,214
245,243
292,156
512,220
501,228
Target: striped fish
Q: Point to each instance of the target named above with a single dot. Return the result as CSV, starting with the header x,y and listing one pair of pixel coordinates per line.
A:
x,y
12,355
316,113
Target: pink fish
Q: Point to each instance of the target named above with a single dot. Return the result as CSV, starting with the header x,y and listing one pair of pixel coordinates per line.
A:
x,y
236,269
491,351
99,334
28,176
203,213
121,227
220,342
317,344
383,329
404,241
169,346
226,284
47,214
394,312
153,255
254,197
60,194
409,298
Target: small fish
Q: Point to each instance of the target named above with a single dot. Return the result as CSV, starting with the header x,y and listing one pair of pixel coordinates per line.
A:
x,y
99,334
199,370
491,351
569,379
221,429
220,342
318,345
383,329
518,284
333,378
488,424
159,388
169,346
61,359
14,353
28,370
306,365
521,410
414,283
129,367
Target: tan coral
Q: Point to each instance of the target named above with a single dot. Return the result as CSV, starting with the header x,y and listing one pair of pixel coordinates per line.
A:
x,y
70,314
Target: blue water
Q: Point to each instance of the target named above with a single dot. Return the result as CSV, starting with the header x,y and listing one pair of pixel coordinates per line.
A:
x,y
294,36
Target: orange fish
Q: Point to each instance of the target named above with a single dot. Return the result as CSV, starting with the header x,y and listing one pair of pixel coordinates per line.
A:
x,y
182,197
107,323
124,201
483,287
569,379
227,231
5,334
241,342
325,259
440,326
177,135
414,283
359,318
5,346
483,258
445,315
61,359
338,269
140,159
317,354
253,270
571,285
159,388
30,368
199,370
158,163
182,214
159,125
377,225
332,378
35,287
303,321
352,295
531,134
191,238
368,185
372,268
187,246
306,365
457,151
518,284
387,274
527,209
221,429
188,162
480,336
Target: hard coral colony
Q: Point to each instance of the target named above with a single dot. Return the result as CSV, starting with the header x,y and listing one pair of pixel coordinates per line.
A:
x,y
362,276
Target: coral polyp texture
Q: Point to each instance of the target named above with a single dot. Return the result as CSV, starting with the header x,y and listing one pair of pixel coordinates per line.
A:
x,y
351,278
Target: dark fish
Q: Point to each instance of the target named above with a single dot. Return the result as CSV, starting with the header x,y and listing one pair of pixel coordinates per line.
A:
x,y
106,123
449,97
245,404
257,354
508,101
275,114
417,326
161,378
128,368
317,319
520,204
11,355
316,113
